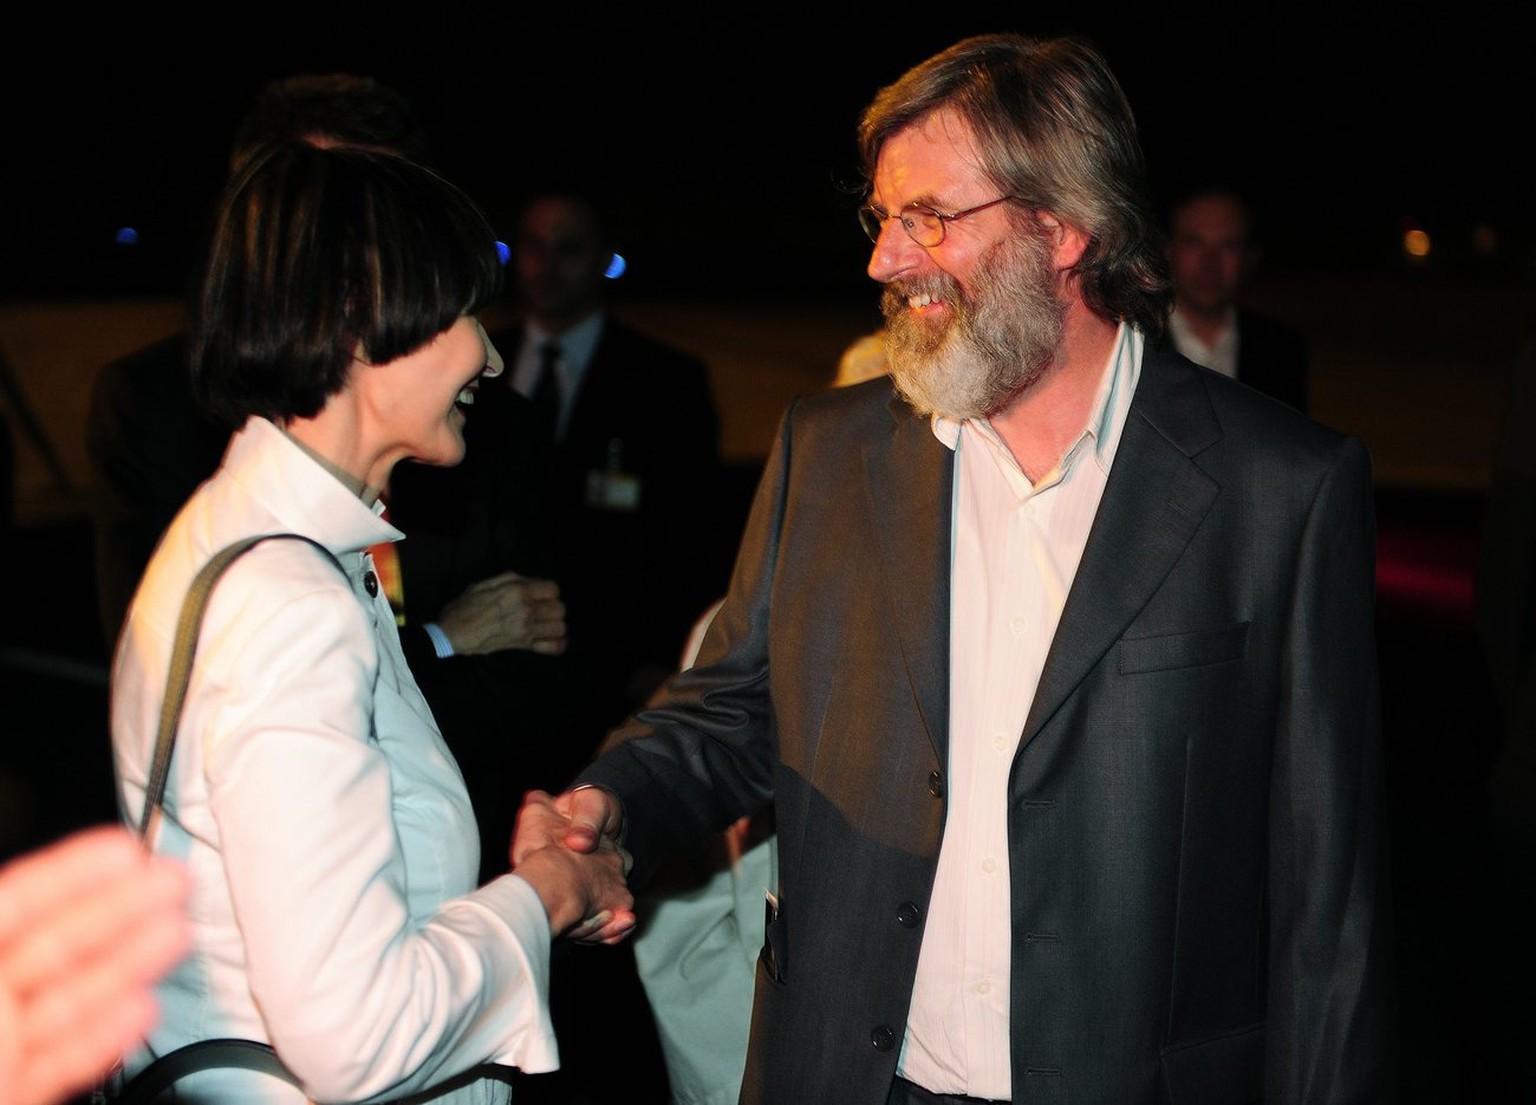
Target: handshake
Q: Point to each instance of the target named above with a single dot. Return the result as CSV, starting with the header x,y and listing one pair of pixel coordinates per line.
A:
x,y
567,849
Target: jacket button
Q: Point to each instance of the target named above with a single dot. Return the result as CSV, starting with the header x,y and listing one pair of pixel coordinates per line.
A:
x,y
371,584
936,784
882,1037
906,915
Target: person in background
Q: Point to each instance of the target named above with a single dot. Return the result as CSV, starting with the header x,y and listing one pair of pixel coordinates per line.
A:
x,y
326,824
88,925
1211,254
1058,666
863,359
636,463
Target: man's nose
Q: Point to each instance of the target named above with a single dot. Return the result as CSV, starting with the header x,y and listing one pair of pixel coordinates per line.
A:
x,y
895,252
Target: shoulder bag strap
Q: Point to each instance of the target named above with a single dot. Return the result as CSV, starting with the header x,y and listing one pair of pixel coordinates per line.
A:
x,y
188,625
166,1071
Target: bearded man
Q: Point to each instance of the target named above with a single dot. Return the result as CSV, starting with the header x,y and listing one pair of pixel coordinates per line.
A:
x,y
1057,662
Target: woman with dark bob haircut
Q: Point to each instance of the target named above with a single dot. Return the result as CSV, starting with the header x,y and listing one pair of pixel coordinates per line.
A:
x,y
330,840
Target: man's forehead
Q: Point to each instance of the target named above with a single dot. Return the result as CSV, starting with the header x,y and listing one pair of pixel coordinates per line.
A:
x,y
1212,216
935,157
557,219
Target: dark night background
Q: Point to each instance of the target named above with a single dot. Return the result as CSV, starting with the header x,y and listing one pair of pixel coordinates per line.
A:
x,y
723,140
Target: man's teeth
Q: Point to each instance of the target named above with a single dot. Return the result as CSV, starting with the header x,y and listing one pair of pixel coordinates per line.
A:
x,y
921,299
467,396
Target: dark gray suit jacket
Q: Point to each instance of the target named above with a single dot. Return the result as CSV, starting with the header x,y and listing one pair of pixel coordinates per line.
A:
x,y
1196,822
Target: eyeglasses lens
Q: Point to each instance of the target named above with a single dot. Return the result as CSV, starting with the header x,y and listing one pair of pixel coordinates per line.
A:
x,y
871,220
922,225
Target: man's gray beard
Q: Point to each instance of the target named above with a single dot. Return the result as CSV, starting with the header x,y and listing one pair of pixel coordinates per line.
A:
x,y
998,341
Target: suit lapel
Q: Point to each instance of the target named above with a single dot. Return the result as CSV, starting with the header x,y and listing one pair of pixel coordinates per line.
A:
x,y
910,477
1154,501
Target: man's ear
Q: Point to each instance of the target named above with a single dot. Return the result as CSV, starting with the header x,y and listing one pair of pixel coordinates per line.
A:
x,y
1068,242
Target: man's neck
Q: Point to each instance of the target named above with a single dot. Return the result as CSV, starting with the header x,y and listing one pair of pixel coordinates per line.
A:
x,y
1207,325
1043,420
555,325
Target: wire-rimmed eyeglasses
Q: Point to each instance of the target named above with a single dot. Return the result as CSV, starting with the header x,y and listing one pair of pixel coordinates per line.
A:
x,y
923,224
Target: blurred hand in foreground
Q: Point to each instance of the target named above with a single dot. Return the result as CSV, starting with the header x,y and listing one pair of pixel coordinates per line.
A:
x,y
88,925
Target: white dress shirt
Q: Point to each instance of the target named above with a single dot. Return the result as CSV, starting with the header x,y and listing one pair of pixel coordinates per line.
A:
x,y
331,844
1015,550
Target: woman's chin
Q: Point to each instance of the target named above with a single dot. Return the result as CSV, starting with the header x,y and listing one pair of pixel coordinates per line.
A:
x,y
447,450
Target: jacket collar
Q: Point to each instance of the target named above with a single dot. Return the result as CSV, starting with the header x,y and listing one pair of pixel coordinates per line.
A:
x,y
299,493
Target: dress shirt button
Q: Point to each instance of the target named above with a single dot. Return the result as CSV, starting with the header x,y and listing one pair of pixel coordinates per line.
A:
x,y
906,915
371,584
1018,625
882,1037
989,865
983,987
936,784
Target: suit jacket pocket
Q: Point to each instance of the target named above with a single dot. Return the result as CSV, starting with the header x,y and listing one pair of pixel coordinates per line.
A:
x,y
775,953
1222,1070
1183,650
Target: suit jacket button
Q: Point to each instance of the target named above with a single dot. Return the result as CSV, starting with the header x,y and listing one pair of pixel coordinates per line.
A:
x,y
906,915
371,584
936,784
882,1037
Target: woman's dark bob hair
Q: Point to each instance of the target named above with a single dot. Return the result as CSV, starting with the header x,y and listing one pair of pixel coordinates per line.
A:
x,y
320,255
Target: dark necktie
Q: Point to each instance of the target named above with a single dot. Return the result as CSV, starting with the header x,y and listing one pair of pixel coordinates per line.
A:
x,y
546,389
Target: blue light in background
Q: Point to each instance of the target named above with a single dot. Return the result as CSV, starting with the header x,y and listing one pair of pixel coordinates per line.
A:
x,y
615,269
126,236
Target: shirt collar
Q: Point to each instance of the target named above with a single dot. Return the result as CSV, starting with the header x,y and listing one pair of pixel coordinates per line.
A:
x,y
577,343
1106,418
1184,336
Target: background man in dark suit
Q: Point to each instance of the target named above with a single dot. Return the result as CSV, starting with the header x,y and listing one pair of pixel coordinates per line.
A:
x,y
1057,662
638,552
1211,253
637,464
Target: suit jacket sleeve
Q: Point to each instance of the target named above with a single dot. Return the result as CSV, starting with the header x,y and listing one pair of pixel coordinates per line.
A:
x,y
1329,999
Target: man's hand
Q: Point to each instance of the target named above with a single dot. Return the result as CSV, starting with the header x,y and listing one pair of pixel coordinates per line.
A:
x,y
87,927
506,611
594,818
577,871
